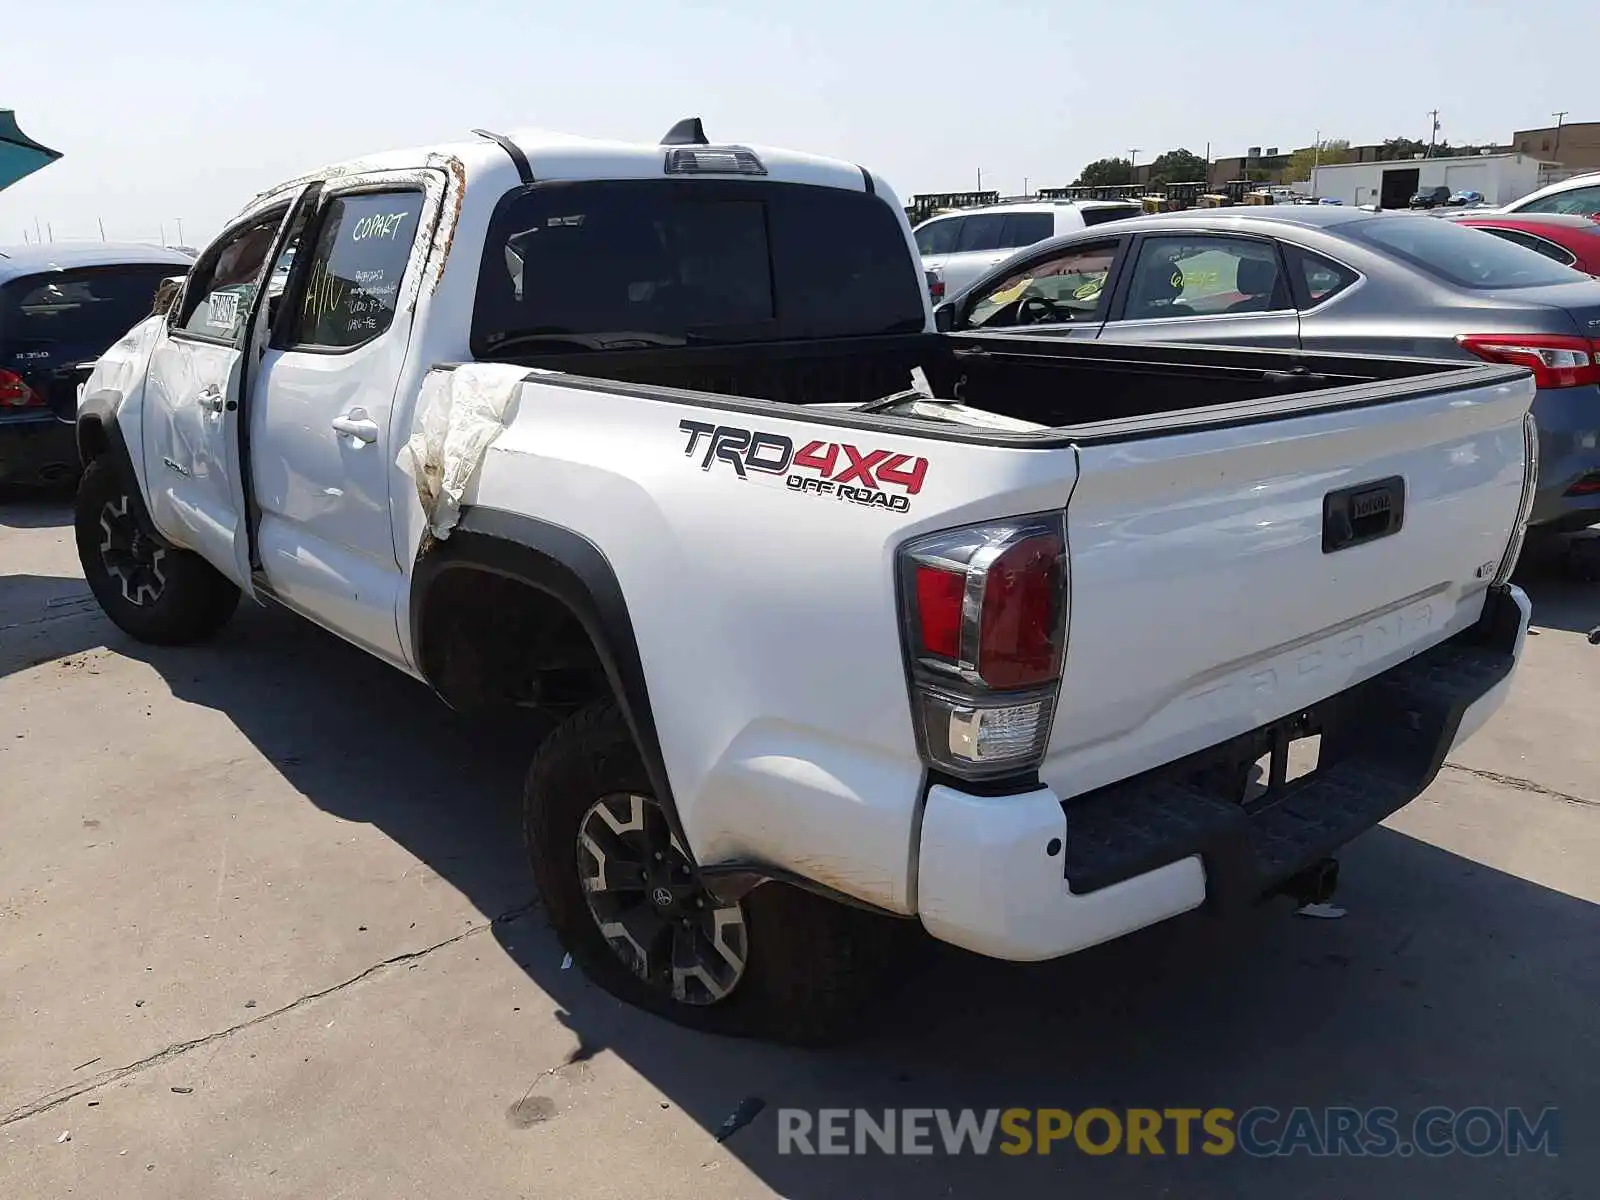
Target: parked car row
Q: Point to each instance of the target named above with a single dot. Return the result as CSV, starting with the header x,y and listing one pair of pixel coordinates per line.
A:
x,y
61,306
1333,279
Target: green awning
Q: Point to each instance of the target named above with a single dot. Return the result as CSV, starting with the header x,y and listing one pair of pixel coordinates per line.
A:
x,y
20,155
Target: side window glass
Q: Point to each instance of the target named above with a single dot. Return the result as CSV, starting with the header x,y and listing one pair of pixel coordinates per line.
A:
x,y
1323,278
223,285
1537,244
939,237
981,233
1193,277
1052,291
351,285
1579,202
1024,229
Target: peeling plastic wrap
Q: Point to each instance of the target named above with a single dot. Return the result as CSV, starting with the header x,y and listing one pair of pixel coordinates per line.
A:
x,y
460,413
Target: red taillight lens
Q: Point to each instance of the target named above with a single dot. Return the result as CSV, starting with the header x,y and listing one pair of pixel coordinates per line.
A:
x,y
1018,641
939,597
986,609
1556,360
14,393
936,290
1589,485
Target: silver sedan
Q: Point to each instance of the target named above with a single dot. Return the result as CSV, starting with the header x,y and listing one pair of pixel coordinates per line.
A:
x,y
1326,278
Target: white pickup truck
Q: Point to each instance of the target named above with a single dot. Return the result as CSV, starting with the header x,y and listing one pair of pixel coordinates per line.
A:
x,y
1035,652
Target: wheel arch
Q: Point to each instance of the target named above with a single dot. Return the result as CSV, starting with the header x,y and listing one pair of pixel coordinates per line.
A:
x,y
574,573
99,434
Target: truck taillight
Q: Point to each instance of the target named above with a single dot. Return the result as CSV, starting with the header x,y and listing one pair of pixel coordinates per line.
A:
x,y
985,629
15,393
1530,484
1556,360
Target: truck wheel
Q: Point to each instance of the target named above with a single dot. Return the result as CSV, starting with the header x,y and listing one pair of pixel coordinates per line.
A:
x,y
629,907
165,596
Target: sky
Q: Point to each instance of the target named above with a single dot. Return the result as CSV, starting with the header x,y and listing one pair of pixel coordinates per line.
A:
x,y
174,111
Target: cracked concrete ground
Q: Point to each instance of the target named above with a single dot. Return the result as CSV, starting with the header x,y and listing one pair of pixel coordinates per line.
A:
x,y
265,930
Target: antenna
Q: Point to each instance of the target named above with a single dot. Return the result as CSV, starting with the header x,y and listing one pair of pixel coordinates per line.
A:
x,y
687,132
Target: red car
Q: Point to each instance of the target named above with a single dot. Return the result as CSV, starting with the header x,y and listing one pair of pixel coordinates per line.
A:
x,y
1572,240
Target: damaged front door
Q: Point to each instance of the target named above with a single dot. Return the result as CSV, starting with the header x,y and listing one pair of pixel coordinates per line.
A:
x,y
194,390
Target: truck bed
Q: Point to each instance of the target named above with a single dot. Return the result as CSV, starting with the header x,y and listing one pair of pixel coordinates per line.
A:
x,y
1043,380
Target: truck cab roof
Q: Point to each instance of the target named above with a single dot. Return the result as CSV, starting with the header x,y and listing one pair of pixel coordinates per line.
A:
x,y
551,156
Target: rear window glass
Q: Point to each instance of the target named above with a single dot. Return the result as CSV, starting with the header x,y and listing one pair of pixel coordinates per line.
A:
x,y
89,308
1110,212
630,263
1460,255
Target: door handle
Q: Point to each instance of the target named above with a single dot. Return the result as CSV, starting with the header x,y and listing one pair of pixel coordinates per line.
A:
x,y
357,425
211,398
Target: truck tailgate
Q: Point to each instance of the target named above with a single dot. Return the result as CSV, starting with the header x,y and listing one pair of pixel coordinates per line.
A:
x,y
1226,576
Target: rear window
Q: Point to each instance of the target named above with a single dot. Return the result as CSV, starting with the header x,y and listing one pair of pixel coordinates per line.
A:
x,y
90,308
1459,254
1110,212
634,263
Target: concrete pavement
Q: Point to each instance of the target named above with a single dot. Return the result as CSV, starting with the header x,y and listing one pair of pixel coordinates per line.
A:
x,y
266,930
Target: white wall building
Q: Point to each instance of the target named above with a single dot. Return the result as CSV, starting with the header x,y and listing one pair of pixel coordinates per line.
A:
x,y
1501,178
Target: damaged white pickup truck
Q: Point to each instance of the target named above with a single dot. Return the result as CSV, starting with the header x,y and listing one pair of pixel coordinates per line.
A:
x,y
1035,641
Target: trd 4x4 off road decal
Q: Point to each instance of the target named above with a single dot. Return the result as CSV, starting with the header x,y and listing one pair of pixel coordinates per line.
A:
x,y
873,478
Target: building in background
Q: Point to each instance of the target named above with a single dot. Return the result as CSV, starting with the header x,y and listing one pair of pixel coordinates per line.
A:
x,y
1501,178
1576,147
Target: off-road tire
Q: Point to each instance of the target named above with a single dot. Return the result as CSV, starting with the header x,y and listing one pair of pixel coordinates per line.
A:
x,y
178,599
812,963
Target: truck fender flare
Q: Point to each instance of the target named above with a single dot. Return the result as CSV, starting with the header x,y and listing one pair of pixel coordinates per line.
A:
x,y
573,570
98,435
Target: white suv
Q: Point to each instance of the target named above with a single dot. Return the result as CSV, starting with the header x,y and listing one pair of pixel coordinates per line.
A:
x,y
1579,196
959,247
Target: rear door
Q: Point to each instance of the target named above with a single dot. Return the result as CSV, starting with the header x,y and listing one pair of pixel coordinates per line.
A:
x,y
322,442
1223,289
193,387
1214,588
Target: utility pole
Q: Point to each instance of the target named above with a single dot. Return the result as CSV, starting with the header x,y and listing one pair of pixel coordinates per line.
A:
x,y
1025,192
180,231
101,222
1560,117
980,179
1433,131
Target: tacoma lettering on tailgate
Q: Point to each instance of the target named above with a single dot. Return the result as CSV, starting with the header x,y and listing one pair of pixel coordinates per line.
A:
x,y
872,478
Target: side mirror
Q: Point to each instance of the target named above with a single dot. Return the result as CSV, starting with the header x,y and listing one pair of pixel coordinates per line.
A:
x,y
944,317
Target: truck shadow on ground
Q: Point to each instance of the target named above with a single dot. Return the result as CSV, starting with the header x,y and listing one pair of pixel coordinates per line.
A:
x,y
1448,982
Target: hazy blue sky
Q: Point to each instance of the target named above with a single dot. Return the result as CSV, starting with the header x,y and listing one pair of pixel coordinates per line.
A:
x,y
169,108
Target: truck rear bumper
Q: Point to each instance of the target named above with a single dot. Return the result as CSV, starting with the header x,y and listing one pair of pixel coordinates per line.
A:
x,y
1032,877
